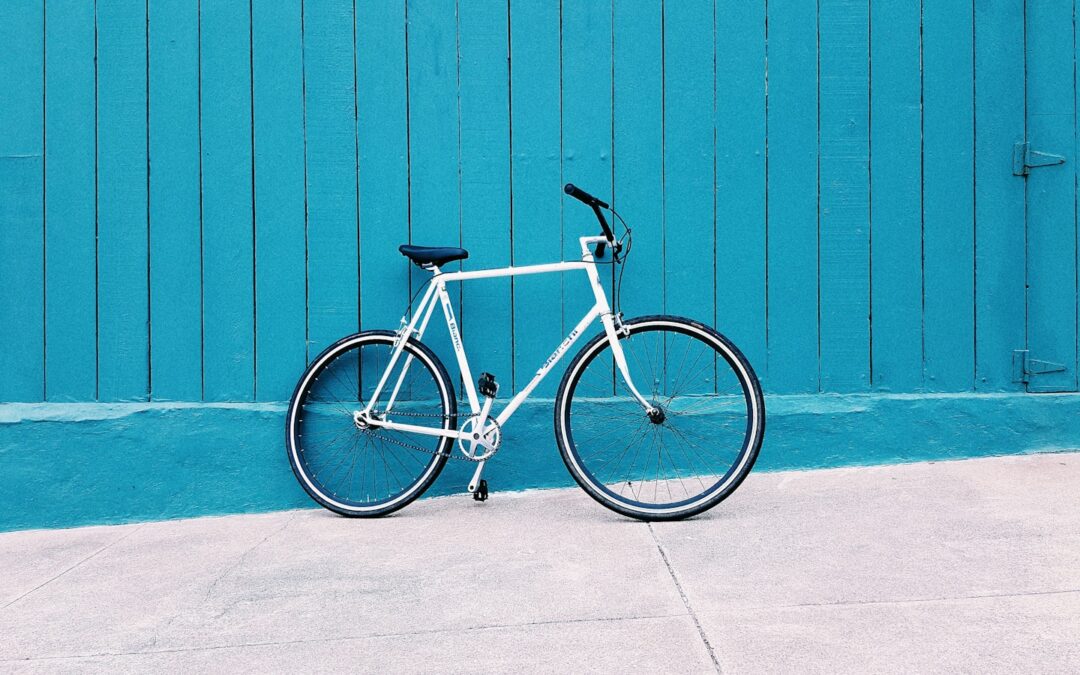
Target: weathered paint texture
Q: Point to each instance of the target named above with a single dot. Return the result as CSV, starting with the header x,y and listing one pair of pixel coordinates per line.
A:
x,y
197,198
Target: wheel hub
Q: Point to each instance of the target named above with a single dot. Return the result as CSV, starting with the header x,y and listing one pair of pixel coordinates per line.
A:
x,y
363,421
656,415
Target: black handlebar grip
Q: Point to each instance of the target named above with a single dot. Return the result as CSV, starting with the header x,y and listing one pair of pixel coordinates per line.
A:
x,y
582,196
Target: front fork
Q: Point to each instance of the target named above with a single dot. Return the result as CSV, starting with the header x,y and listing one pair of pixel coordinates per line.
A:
x,y
615,329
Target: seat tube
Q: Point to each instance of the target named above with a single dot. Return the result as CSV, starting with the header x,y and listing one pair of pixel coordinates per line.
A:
x,y
459,349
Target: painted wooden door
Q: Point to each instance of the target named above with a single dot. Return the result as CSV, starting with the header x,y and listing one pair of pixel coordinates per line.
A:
x,y
1047,159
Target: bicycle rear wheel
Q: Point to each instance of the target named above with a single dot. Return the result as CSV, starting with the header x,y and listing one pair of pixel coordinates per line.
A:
x,y
680,461
357,471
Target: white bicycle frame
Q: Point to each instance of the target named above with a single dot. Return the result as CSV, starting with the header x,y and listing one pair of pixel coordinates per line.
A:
x,y
422,314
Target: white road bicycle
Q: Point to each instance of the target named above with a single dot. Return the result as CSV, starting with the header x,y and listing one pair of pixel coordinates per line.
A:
x,y
657,417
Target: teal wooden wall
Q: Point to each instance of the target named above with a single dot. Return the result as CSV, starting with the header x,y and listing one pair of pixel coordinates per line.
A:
x,y
196,198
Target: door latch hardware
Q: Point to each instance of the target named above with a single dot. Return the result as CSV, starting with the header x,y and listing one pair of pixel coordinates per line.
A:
x,y
1025,159
1024,366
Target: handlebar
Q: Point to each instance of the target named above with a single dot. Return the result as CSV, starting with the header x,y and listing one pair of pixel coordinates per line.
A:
x,y
582,196
587,199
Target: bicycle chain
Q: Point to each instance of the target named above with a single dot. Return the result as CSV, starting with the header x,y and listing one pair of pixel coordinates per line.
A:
x,y
410,446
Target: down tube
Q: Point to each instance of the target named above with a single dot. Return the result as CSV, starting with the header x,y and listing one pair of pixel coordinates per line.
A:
x,y
561,350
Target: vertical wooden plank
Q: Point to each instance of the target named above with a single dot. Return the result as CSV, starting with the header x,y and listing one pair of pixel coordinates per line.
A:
x,y
999,195
586,137
689,166
383,137
536,184
485,184
71,349
1051,194
228,302
948,210
278,104
433,144
123,331
1076,173
740,177
638,130
175,254
844,141
896,195
330,105
21,210
792,197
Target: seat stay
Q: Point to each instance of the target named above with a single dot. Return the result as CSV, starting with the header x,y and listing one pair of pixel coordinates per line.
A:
x,y
409,359
406,330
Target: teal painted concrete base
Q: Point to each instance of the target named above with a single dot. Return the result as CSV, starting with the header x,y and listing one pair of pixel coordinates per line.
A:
x,y
63,465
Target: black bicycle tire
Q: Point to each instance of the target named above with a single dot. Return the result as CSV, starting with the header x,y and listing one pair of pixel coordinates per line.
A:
x,y
573,372
442,454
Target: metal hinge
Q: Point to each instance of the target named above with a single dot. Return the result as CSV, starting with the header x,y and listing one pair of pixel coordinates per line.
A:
x,y
1024,366
1025,159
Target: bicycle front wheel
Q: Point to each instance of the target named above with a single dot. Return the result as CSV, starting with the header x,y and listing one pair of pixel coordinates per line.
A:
x,y
695,448
361,470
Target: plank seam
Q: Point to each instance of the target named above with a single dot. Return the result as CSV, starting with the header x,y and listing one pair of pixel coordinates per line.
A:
x,y
408,145
870,183
562,176
97,284
149,250
44,213
922,191
254,259
611,151
356,152
817,160
510,162
716,290
303,101
457,103
663,154
974,217
765,352
202,253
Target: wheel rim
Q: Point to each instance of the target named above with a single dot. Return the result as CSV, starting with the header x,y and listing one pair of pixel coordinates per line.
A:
x,y
357,469
688,455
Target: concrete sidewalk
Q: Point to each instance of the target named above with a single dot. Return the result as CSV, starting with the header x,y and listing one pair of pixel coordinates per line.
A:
x,y
969,566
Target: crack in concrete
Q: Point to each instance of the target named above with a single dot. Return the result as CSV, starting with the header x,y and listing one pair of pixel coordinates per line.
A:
x,y
374,636
685,600
69,569
243,557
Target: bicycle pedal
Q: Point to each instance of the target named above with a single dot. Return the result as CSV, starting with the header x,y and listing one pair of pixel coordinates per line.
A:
x,y
487,385
481,493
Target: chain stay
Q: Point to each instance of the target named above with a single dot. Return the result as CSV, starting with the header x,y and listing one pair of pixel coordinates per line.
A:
x,y
411,446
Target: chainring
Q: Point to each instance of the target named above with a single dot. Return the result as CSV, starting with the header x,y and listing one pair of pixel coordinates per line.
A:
x,y
493,435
